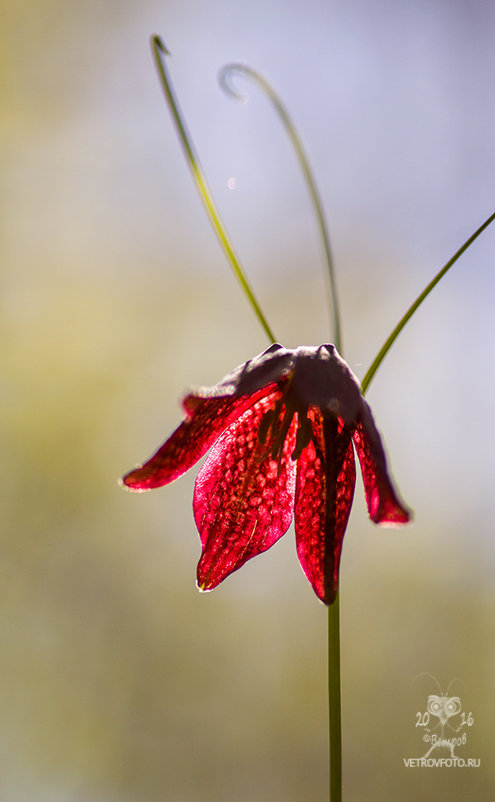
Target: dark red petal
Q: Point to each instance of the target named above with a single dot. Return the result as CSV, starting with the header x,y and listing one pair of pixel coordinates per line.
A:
x,y
207,419
324,490
243,499
384,505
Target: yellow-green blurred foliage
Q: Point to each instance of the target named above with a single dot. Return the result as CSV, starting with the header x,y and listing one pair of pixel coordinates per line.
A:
x,y
119,682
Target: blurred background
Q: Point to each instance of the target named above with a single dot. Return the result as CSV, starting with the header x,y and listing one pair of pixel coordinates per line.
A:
x,y
119,682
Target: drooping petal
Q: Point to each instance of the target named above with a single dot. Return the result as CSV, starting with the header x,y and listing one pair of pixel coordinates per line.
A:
x,y
325,482
207,419
384,505
243,498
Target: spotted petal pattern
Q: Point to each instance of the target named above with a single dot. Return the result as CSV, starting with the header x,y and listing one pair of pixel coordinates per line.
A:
x,y
207,419
384,505
326,477
284,408
243,498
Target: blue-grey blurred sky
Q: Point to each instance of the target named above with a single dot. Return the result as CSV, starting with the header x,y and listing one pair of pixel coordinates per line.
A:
x,y
114,297
395,103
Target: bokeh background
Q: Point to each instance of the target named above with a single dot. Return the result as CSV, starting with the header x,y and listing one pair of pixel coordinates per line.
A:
x,y
119,682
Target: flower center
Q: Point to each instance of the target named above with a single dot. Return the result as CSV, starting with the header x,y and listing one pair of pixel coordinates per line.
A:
x,y
275,424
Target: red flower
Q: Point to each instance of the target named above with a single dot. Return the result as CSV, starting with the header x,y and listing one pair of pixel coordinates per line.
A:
x,y
282,427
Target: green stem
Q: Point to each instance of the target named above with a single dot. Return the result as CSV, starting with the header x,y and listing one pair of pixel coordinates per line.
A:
x,y
334,705
419,300
334,702
159,50
308,175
